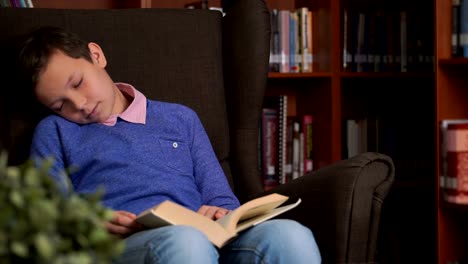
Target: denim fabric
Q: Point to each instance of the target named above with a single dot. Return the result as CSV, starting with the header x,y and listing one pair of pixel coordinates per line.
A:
x,y
274,241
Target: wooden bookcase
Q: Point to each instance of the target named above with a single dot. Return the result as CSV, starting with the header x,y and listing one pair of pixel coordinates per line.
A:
x,y
416,225
403,102
451,94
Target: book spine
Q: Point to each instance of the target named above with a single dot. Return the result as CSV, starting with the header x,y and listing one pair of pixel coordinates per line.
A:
x,y
455,42
310,56
289,149
269,148
464,27
293,43
352,138
361,49
403,42
283,111
274,42
284,36
304,37
296,149
307,122
347,57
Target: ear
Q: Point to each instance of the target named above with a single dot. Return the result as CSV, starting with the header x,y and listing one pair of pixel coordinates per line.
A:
x,y
97,55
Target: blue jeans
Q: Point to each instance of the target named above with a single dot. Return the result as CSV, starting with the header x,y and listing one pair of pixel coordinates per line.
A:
x,y
274,241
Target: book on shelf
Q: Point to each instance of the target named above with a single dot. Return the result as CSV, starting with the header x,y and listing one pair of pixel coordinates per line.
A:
x,y
275,57
305,38
274,140
464,27
283,26
289,149
285,143
348,42
269,142
403,42
356,136
294,59
361,44
363,135
282,138
384,40
16,3
223,230
296,149
457,49
292,42
311,42
454,160
307,130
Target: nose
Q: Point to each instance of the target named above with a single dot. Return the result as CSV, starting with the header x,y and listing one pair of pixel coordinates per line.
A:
x,y
77,102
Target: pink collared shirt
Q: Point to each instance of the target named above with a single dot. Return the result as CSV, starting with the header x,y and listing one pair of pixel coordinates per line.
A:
x,y
135,112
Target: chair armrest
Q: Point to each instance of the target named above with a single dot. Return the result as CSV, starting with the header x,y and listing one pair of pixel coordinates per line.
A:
x,y
341,204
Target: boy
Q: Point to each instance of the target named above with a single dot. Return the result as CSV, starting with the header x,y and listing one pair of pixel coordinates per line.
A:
x,y
143,152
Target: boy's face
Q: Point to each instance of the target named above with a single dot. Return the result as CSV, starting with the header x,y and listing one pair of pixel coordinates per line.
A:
x,y
78,90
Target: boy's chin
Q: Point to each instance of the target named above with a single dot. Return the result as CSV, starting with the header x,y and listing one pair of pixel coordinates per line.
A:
x,y
81,122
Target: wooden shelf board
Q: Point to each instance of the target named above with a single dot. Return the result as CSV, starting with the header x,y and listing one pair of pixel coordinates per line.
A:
x,y
387,74
278,75
453,206
453,61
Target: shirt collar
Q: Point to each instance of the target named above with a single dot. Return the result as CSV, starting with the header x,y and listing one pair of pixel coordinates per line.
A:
x,y
135,112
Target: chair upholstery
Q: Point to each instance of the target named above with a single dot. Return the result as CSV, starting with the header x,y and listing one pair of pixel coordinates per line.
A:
x,y
217,66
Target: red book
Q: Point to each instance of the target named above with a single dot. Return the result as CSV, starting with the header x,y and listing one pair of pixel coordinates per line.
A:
x,y
457,163
307,121
269,143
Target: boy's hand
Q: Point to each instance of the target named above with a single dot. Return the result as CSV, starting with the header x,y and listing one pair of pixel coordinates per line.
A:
x,y
213,212
123,224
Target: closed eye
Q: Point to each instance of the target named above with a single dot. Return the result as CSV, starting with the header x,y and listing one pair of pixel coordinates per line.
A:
x,y
78,83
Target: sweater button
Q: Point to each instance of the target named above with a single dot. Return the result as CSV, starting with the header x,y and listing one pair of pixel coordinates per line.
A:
x,y
175,145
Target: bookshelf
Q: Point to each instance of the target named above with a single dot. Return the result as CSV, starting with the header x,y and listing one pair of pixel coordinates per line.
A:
x,y
451,95
403,103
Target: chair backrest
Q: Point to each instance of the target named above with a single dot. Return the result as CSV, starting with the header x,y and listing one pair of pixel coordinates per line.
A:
x,y
216,65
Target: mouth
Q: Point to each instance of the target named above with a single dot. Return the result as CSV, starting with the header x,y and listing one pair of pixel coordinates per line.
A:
x,y
93,112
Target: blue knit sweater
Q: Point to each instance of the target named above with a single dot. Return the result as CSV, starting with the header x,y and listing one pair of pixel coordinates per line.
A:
x,y
139,165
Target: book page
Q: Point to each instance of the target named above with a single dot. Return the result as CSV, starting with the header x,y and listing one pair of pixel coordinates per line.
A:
x,y
170,213
242,225
255,207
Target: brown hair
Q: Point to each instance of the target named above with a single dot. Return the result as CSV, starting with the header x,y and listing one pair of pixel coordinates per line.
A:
x,y
41,43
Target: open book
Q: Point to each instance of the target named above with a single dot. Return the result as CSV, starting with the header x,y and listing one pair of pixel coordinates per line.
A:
x,y
221,231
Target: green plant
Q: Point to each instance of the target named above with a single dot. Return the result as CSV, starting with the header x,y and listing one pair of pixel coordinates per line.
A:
x,y
39,223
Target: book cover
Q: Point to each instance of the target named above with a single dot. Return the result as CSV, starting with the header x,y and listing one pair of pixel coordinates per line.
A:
x,y
223,230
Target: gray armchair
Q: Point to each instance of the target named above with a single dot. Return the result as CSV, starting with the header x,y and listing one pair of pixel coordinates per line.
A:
x,y
218,66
